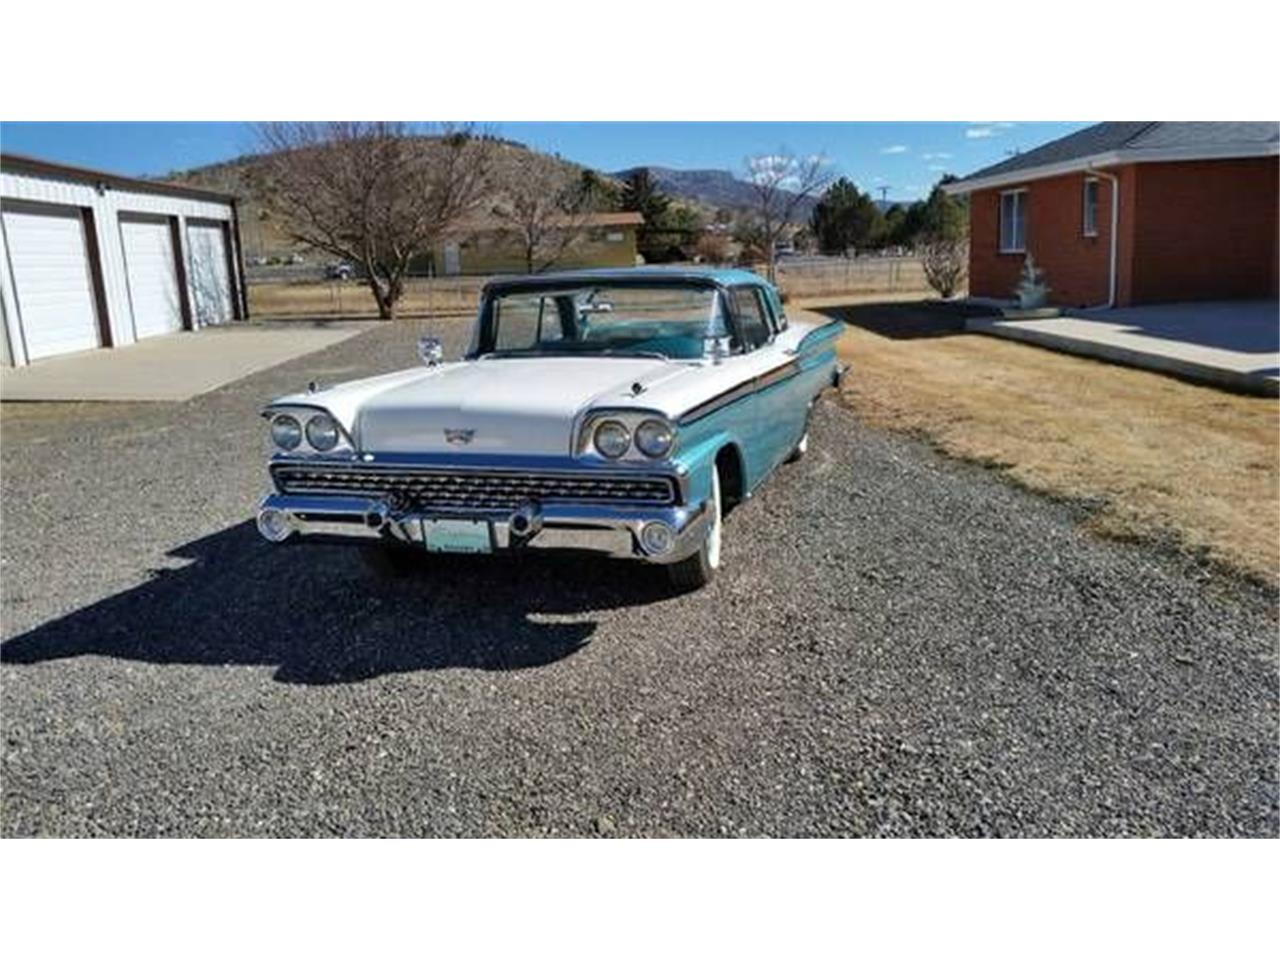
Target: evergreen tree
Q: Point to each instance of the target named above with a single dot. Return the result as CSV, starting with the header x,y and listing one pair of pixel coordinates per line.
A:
x,y
846,218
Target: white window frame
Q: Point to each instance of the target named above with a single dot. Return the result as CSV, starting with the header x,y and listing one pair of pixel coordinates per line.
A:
x,y
1019,207
1087,228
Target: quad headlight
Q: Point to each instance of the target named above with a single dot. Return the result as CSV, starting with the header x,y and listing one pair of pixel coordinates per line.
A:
x,y
654,438
612,439
286,431
322,432
628,435
303,430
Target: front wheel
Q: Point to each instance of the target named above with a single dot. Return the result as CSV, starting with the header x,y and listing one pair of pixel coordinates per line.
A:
x,y
695,572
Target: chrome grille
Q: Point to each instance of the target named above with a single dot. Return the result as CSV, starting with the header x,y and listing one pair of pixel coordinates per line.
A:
x,y
427,487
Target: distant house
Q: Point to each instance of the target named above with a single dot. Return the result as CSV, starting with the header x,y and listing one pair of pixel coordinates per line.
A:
x,y
1196,216
607,240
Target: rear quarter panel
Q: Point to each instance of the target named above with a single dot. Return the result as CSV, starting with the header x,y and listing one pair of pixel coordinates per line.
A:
x,y
765,423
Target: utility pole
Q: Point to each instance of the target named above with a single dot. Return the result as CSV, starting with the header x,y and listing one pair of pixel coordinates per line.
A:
x,y
884,193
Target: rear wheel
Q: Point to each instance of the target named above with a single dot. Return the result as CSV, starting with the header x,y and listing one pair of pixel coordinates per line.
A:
x,y
695,572
802,447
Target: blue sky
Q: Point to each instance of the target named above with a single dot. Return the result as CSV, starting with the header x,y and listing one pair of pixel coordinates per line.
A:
x,y
906,158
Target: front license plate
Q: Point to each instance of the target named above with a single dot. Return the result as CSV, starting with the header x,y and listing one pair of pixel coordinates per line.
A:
x,y
457,536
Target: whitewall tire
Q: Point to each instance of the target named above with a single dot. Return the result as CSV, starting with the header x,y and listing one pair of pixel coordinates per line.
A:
x,y
700,569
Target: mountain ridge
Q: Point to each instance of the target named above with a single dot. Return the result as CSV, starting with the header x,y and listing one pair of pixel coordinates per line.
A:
x,y
720,188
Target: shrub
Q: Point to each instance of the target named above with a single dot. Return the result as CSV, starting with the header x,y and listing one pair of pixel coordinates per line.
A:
x,y
944,259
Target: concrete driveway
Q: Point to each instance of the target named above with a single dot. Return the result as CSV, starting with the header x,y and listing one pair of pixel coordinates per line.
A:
x,y
176,367
1233,344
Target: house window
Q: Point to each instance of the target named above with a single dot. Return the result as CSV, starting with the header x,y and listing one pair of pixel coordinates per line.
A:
x,y
1013,221
1090,218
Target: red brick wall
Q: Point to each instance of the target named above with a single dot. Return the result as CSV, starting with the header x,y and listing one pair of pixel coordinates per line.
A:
x,y
1206,230
1202,230
1075,266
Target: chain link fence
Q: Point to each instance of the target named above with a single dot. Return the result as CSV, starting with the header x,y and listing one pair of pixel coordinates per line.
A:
x,y
815,277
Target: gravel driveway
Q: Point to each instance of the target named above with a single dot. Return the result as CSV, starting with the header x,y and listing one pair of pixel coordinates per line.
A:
x,y
899,645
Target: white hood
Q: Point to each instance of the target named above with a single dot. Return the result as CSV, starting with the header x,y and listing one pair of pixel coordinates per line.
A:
x,y
519,405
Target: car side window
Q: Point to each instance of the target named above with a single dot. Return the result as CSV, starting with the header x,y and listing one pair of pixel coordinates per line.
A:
x,y
522,322
749,310
775,307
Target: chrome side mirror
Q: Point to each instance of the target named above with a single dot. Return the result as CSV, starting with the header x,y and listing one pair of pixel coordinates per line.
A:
x,y
719,349
431,350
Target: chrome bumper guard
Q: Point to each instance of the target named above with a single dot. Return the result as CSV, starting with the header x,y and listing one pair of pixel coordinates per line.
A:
x,y
612,529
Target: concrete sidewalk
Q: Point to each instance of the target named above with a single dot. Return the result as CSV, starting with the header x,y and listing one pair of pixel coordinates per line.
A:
x,y
174,367
1233,344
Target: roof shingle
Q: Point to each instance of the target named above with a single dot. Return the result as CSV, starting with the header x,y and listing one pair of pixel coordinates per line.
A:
x,y
1119,136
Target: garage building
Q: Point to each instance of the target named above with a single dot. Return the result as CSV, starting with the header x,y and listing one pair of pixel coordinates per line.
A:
x,y
91,260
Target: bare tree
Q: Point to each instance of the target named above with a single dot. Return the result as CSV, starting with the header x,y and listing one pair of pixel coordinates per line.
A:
x,y
374,193
542,204
781,185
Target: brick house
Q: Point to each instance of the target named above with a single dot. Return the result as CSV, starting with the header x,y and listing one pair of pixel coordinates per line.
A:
x,y
1196,217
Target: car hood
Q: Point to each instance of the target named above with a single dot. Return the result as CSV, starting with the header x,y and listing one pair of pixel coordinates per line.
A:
x,y
518,405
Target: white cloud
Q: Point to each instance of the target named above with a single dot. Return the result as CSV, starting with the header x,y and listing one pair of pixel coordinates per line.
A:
x,y
896,148
936,156
937,168
982,129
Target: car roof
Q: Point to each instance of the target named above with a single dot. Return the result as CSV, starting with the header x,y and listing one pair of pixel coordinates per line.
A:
x,y
721,276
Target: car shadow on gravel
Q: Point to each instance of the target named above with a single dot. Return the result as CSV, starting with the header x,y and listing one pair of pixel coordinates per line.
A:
x,y
321,617
908,320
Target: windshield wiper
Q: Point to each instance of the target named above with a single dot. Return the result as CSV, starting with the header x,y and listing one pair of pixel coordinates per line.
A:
x,y
647,354
601,352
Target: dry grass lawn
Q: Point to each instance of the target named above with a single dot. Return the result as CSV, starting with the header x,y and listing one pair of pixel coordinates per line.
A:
x,y
1162,456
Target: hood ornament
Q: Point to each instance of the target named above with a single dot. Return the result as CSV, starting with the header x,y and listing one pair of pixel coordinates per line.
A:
x,y
458,437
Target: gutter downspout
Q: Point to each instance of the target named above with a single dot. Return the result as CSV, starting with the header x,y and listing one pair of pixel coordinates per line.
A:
x,y
1115,231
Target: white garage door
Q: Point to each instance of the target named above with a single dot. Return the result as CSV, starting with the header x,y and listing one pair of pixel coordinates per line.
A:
x,y
210,282
51,275
152,276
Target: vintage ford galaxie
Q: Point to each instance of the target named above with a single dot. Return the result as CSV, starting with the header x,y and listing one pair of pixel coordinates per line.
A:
x,y
624,410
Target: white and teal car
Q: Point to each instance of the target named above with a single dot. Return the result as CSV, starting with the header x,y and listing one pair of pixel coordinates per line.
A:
x,y
620,410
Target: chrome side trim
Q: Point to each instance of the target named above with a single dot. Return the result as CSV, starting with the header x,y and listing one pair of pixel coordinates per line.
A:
x,y
747,388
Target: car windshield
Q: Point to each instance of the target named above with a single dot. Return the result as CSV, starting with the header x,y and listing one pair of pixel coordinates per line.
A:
x,y
670,321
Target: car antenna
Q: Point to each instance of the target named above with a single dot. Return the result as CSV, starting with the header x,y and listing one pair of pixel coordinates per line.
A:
x,y
637,388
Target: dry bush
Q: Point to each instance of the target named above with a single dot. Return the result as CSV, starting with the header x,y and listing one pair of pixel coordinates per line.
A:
x,y
944,260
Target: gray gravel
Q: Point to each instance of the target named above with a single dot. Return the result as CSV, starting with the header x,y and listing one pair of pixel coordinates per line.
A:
x,y
899,645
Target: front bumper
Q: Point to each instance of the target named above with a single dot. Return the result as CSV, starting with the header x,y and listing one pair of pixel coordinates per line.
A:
x,y
611,529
